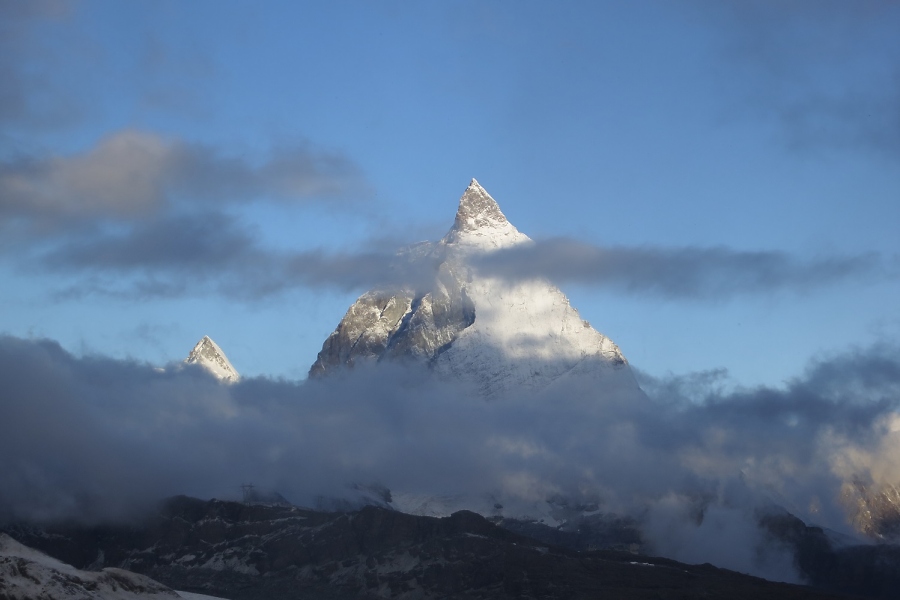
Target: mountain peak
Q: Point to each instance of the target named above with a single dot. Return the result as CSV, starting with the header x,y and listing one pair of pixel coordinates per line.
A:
x,y
477,210
208,355
501,334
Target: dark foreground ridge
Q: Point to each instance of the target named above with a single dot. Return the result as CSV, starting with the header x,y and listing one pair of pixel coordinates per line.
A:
x,y
255,552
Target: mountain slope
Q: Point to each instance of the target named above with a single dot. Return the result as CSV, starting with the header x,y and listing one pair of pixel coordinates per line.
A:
x,y
27,574
500,334
273,553
873,509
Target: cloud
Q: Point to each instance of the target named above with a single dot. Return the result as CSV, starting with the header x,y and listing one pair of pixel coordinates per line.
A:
x,y
133,174
174,253
213,252
11,9
94,437
672,525
175,78
141,215
191,244
681,273
850,120
26,96
48,88
827,72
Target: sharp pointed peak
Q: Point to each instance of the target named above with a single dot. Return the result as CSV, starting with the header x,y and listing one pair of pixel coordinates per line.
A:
x,y
208,354
477,209
206,341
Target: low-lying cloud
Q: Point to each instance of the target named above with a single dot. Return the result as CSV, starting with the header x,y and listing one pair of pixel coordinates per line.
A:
x,y
93,438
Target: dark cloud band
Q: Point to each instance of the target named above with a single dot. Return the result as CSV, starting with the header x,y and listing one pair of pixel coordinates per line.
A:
x,y
687,272
214,248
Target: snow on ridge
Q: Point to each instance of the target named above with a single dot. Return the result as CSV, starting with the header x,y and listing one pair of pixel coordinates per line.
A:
x,y
525,335
26,573
11,547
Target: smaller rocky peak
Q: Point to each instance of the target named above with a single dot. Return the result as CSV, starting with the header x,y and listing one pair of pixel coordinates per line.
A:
x,y
477,210
208,355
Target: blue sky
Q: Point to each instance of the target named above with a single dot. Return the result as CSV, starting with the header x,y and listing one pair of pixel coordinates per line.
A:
x,y
155,156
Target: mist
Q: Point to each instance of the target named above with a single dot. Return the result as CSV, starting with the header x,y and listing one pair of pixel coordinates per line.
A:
x,y
94,438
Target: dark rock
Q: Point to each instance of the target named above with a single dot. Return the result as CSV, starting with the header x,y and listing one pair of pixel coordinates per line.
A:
x,y
253,552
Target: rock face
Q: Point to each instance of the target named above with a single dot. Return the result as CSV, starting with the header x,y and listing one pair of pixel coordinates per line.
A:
x,y
26,574
873,510
208,355
500,334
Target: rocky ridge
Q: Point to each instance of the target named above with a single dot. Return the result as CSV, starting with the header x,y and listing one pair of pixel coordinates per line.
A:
x,y
873,509
252,552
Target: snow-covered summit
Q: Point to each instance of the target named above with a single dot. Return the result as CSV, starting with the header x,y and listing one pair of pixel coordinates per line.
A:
x,y
480,224
500,334
208,355
477,209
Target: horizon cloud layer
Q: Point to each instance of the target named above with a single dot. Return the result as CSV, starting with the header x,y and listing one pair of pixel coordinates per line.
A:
x,y
96,438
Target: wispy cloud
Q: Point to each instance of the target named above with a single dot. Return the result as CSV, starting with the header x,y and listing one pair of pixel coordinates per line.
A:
x,y
685,272
826,71
143,215
135,174
198,246
27,96
174,254
175,78
177,255
48,85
